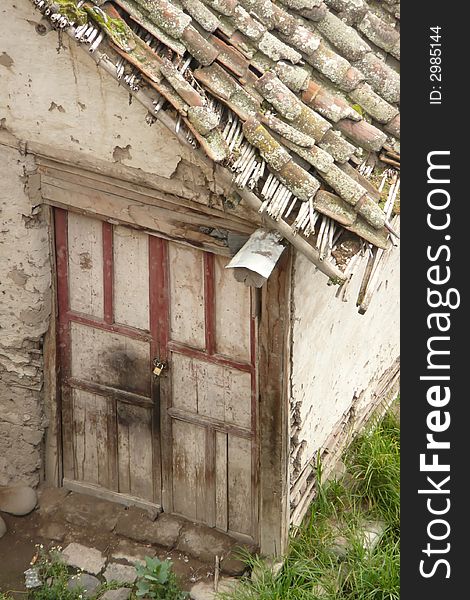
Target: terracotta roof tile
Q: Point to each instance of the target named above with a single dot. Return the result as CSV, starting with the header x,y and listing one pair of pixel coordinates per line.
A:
x,y
384,80
394,127
372,103
339,148
167,16
202,50
260,83
343,37
202,14
272,152
379,32
363,134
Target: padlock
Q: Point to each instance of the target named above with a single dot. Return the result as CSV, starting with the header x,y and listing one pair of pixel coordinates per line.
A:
x,y
158,367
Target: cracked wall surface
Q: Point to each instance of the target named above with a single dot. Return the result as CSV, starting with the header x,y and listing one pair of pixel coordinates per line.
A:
x,y
338,356
25,288
53,94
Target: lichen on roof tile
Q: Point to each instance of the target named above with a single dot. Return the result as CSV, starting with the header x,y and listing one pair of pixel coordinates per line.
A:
x,y
383,79
373,104
225,7
343,37
202,14
279,95
142,18
247,25
294,77
302,80
277,50
286,131
203,119
300,4
379,32
339,148
165,15
179,83
329,63
272,152
363,134
301,183
202,50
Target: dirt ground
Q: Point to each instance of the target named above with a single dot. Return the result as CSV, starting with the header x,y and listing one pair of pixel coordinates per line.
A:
x,y
51,524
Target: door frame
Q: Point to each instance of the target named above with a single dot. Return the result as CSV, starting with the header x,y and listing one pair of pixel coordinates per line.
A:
x,y
272,396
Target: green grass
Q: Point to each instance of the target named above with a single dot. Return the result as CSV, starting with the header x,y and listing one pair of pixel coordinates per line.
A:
x,y
370,490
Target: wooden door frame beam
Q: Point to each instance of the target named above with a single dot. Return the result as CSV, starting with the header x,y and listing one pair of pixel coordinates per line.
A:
x,y
274,377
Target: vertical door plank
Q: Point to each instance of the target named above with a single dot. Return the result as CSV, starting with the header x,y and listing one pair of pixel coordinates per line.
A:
x,y
232,313
131,278
91,438
135,454
184,383
239,485
221,481
85,247
186,268
189,470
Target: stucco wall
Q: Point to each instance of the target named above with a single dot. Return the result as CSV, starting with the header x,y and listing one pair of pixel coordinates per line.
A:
x,y
338,355
24,312
53,94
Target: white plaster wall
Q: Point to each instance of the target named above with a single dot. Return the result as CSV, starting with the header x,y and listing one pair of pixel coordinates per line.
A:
x,y
338,353
61,98
25,283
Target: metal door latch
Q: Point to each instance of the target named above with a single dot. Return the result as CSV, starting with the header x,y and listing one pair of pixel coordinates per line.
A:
x,y
158,367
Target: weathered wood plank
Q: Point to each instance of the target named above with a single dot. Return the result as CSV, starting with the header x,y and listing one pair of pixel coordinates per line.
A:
x,y
131,277
212,391
232,313
98,492
169,192
186,269
85,265
274,373
135,451
240,495
189,470
143,216
110,359
221,481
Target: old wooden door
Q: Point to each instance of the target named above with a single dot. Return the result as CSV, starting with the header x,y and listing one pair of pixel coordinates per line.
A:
x,y
186,440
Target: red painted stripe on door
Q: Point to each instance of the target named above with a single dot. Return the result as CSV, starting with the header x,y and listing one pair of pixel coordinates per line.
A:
x,y
108,272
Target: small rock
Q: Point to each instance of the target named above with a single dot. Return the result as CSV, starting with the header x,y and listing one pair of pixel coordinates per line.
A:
x,y
132,553
372,531
120,573
86,559
270,564
17,500
136,525
3,527
120,594
87,511
50,499
88,583
204,543
204,590
340,546
52,531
